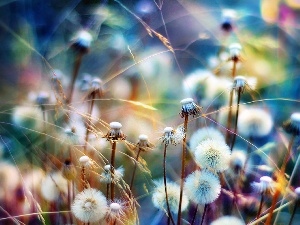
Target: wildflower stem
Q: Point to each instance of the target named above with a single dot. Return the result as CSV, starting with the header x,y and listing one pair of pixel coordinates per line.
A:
x,y
182,167
293,213
166,191
204,212
260,204
112,170
282,174
88,123
77,63
229,118
134,169
239,92
194,216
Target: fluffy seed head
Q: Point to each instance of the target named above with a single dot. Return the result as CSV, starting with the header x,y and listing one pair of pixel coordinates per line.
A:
x,y
115,132
42,98
82,41
235,51
203,187
159,197
228,220
292,126
213,154
85,161
143,143
228,17
254,122
106,177
53,185
188,107
237,161
89,206
172,136
266,185
28,117
204,134
115,211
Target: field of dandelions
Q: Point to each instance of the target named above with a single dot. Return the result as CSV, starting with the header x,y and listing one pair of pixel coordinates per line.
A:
x,y
149,112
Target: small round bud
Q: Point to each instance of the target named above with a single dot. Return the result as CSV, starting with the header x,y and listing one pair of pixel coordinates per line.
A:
x,y
292,126
143,137
107,167
235,51
115,125
82,41
42,98
115,132
188,107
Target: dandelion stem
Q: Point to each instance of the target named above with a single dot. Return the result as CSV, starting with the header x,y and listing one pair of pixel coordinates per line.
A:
x,y
282,174
239,92
112,170
293,213
88,123
166,191
229,118
134,169
77,63
260,205
204,212
194,216
182,167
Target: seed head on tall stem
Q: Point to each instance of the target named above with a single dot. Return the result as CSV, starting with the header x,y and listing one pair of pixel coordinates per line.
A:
x,y
143,145
113,135
188,108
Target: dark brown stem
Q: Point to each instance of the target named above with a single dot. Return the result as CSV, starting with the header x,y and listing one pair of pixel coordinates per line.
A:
x,y
229,118
166,191
237,116
134,169
194,216
182,167
112,170
260,205
107,191
77,63
204,212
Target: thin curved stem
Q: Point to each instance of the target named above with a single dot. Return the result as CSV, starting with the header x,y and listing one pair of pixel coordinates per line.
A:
x,y
112,170
239,93
182,168
204,213
166,191
260,205
293,213
134,169
194,216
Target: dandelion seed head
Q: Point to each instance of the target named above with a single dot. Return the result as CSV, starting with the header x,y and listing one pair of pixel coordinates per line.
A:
x,y
228,220
297,191
28,117
235,51
9,179
237,161
42,98
89,205
53,185
85,82
254,122
116,210
159,197
228,17
106,177
172,136
213,154
203,134
203,187
82,41
292,126
85,161
266,185
188,108
115,132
